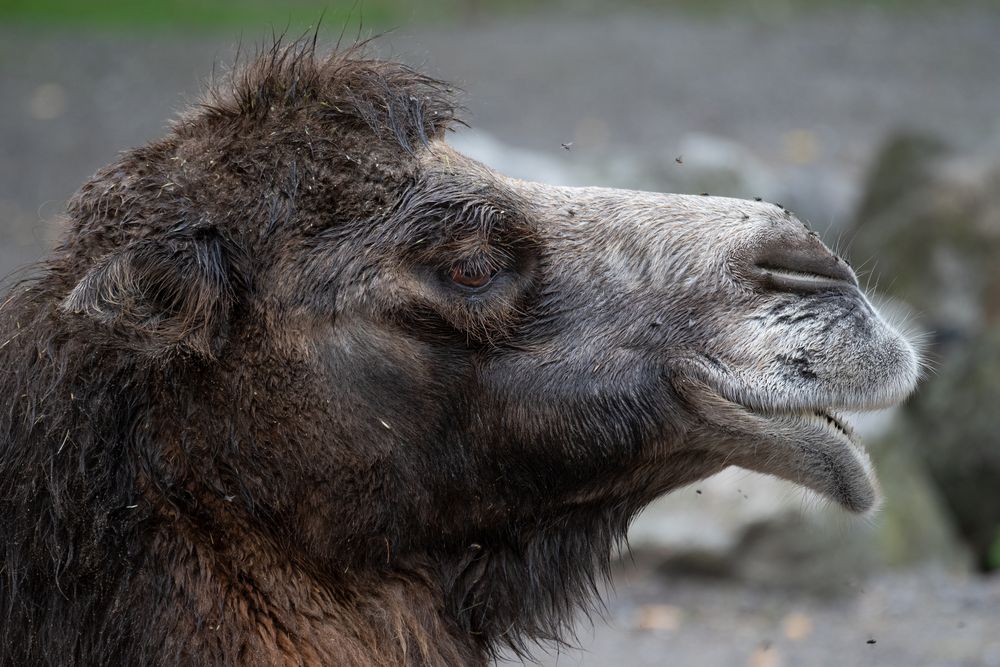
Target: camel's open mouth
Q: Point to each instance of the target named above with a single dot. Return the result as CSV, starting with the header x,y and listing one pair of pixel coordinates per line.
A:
x,y
810,444
824,418
815,447
823,422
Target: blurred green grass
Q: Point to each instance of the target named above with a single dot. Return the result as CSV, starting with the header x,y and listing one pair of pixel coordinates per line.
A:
x,y
384,14
993,558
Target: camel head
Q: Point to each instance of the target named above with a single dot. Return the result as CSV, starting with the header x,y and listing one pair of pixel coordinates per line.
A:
x,y
615,330
389,354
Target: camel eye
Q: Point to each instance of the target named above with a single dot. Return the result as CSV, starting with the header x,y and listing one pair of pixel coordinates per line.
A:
x,y
470,277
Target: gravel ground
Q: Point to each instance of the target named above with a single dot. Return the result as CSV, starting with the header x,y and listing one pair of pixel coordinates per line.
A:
x,y
818,91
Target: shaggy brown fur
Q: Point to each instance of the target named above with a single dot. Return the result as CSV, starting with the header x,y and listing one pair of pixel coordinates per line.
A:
x,y
253,413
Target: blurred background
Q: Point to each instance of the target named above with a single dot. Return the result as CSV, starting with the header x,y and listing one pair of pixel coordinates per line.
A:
x,y
877,122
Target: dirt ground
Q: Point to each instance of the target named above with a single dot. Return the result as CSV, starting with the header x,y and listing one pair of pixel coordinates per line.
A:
x,y
627,85
912,619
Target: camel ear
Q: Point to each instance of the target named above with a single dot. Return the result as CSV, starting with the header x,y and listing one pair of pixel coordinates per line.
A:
x,y
161,296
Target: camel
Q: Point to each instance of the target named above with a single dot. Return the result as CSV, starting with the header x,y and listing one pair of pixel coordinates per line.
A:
x,y
302,385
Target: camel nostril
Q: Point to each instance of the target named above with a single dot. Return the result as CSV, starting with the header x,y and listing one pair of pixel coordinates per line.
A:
x,y
801,265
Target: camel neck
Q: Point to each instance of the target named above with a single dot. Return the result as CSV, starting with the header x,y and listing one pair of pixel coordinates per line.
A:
x,y
253,606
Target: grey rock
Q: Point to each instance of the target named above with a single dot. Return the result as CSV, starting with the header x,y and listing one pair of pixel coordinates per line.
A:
x,y
933,221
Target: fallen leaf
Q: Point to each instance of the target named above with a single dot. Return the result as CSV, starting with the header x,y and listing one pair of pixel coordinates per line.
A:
x,y
797,626
659,617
